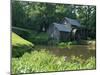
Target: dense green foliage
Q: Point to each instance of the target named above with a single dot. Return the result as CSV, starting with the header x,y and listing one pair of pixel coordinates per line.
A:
x,y
20,45
43,61
36,16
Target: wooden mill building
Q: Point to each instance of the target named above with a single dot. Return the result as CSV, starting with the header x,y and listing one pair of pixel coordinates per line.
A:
x,y
64,31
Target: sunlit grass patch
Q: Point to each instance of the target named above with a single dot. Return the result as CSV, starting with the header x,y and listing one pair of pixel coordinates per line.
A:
x,y
19,40
20,45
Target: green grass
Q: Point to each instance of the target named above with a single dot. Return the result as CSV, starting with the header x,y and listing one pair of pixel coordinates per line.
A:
x,y
43,61
20,45
17,40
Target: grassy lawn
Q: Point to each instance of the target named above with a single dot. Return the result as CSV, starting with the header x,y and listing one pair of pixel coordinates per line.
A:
x,y
20,45
17,40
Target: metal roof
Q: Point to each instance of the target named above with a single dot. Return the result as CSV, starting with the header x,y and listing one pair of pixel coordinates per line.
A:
x,y
62,27
73,21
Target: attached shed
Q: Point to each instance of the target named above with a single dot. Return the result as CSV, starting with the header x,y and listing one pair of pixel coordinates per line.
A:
x,y
73,22
59,31
75,25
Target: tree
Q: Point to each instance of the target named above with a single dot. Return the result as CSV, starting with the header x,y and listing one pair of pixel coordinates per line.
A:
x,y
18,14
36,16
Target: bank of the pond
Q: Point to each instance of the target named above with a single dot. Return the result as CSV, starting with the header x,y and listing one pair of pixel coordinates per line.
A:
x,y
43,61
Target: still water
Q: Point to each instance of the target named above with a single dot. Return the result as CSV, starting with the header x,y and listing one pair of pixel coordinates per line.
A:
x,y
83,51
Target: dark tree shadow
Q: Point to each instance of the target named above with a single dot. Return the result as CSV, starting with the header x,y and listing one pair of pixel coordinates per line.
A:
x,y
19,50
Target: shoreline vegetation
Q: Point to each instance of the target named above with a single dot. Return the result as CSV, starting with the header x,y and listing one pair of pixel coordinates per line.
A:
x,y
41,60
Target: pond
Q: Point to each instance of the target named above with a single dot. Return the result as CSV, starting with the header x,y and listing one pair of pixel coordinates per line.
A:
x,y
83,51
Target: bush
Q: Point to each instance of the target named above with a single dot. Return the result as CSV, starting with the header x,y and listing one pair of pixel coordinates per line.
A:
x,y
43,61
20,45
67,44
62,45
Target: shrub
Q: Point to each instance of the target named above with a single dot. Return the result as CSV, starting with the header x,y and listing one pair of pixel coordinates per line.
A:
x,y
67,44
62,45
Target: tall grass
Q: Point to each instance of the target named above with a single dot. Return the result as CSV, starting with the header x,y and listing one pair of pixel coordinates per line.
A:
x,y
43,61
